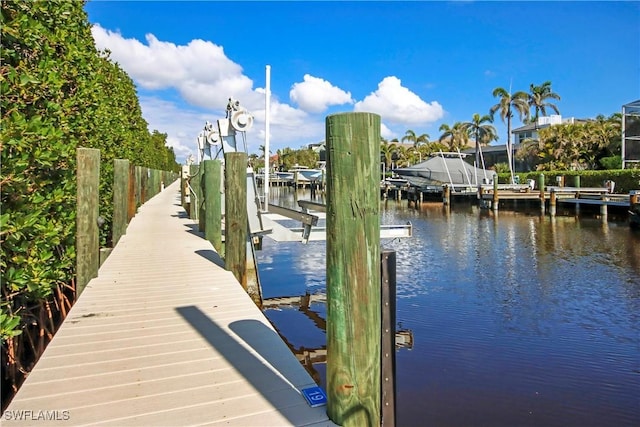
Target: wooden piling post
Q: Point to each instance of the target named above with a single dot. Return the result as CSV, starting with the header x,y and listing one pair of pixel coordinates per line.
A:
x,y
194,198
144,185
353,269
552,203
151,187
541,188
213,205
87,239
576,184
495,200
604,207
120,198
388,343
131,196
446,196
138,184
184,191
235,215
200,192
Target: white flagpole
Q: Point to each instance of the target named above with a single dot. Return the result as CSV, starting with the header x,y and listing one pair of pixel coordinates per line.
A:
x,y
267,101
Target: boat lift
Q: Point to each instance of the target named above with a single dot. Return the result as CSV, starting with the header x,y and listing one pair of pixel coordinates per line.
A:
x,y
268,223
261,221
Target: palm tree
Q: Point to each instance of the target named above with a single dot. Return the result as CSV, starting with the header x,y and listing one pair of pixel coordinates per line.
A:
x,y
481,131
403,156
538,99
411,136
506,104
456,135
386,152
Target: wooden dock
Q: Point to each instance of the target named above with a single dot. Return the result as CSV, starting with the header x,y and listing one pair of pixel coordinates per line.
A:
x,y
165,336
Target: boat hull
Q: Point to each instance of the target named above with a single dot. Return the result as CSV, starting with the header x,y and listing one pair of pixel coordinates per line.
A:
x,y
438,171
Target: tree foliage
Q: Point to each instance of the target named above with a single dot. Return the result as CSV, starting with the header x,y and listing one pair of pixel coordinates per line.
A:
x,y
58,94
415,139
506,105
482,132
539,97
288,158
575,146
454,137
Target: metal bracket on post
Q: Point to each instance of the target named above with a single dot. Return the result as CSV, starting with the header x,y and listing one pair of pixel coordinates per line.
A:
x,y
227,135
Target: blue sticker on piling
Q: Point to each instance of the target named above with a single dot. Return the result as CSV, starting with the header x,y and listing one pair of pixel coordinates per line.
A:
x,y
315,396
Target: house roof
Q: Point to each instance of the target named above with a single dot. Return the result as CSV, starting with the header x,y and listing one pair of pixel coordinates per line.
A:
x,y
532,126
632,107
538,126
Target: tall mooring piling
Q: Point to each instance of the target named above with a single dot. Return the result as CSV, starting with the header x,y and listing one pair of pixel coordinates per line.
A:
x,y
353,269
213,203
87,239
235,215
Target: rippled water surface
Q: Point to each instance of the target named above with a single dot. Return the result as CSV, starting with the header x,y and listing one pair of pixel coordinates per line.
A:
x,y
517,319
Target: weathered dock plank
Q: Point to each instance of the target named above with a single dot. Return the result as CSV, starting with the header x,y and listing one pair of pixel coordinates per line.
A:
x,y
165,336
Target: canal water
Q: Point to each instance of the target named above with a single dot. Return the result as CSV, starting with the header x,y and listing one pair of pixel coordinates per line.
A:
x,y
516,319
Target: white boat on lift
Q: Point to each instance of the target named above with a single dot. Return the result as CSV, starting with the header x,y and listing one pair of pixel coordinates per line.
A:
x,y
446,168
305,174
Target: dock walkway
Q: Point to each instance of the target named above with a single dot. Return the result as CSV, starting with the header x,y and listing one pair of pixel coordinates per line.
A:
x,y
165,336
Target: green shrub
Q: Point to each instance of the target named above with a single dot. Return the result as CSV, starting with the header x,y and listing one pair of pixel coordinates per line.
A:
x,y
58,94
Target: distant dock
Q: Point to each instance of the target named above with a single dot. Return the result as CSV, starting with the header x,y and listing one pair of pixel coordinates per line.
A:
x,y
491,196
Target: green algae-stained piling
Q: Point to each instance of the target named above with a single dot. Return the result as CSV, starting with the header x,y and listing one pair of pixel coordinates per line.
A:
x,y
353,269
87,241
131,196
213,203
144,185
235,214
138,181
194,182
120,198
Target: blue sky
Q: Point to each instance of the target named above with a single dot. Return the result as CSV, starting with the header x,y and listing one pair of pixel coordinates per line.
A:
x,y
417,64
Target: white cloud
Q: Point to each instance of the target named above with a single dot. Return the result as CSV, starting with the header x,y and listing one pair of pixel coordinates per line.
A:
x,y
200,70
181,125
397,104
315,95
385,132
204,77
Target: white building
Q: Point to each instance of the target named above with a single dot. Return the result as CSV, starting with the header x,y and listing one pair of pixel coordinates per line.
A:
x,y
530,131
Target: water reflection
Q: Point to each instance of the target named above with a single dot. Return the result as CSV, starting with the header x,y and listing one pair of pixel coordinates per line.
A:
x,y
311,350
519,319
